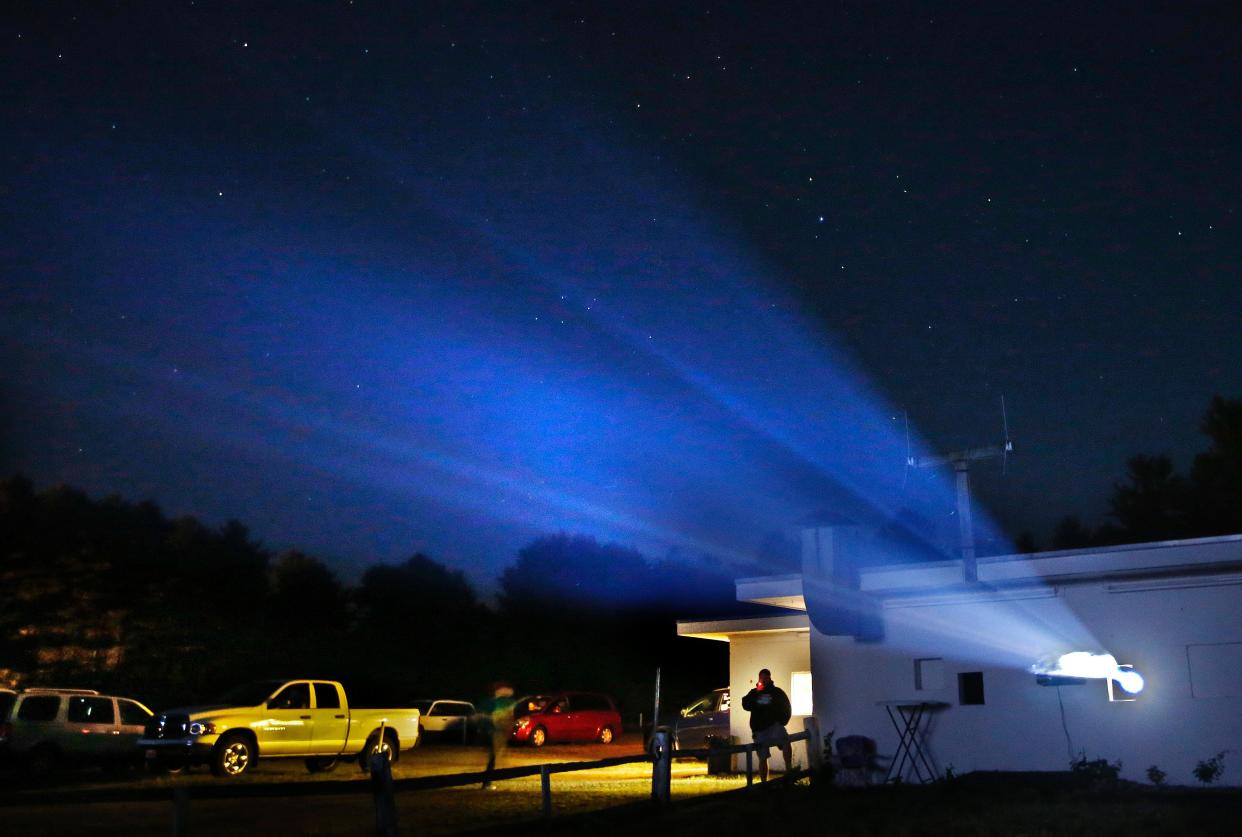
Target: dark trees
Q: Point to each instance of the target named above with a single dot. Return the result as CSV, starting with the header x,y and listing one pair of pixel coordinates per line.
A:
x,y
585,614
1152,505
1072,534
421,629
1156,503
1216,475
112,594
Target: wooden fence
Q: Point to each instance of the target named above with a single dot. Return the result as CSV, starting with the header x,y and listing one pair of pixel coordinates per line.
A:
x,y
383,787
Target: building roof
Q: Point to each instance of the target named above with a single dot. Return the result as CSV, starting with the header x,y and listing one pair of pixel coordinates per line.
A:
x,y
1193,562
722,629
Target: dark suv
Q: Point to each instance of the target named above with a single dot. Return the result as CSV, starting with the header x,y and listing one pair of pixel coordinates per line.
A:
x,y
565,716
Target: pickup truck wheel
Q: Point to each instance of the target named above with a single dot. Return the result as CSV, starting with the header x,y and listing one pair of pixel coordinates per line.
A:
x,y
321,764
233,755
605,735
538,737
388,748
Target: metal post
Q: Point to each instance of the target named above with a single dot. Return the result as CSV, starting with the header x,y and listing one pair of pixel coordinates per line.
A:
x,y
381,790
966,529
545,786
661,767
655,718
814,747
181,811
750,770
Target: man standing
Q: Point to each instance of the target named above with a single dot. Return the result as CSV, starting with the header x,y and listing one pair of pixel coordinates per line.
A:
x,y
769,712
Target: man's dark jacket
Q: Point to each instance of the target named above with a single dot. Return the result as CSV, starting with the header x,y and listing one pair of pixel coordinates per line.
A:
x,y
767,707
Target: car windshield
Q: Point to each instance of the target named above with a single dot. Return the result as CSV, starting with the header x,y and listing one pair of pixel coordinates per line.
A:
x,y
421,705
250,694
703,704
530,705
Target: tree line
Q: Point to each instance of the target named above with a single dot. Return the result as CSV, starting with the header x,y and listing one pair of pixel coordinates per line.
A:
x,y
1157,503
114,595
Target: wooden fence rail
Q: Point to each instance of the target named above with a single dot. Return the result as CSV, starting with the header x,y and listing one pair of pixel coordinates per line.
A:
x,y
383,787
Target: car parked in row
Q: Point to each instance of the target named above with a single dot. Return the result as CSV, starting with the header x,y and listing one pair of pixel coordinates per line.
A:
x,y
565,716
704,719
446,720
48,728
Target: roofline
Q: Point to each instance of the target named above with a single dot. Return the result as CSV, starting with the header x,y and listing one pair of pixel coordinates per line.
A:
x,y
1103,550
1018,556
724,629
754,578
1190,556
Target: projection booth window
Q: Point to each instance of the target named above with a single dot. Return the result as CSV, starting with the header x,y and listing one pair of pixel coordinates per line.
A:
x,y
929,674
970,688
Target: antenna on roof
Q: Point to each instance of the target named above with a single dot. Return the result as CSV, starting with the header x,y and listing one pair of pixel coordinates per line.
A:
x,y
1008,445
909,453
960,460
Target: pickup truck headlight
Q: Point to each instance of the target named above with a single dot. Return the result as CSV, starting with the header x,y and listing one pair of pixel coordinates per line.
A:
x,y
202,728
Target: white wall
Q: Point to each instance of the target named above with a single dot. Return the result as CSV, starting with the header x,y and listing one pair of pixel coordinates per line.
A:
x,y
1020,725
780,653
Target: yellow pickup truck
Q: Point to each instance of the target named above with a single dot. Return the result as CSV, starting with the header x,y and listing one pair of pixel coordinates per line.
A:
x,y
308,719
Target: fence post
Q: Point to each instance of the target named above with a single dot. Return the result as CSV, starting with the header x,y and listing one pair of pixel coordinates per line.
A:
x,y
750,769
545,787
661,767
814,748
381,790
181,811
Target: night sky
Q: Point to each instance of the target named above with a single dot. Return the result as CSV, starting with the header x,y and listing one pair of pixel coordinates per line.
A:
x,y
380,278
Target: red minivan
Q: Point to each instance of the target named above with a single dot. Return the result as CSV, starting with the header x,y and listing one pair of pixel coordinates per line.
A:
x,y
566,716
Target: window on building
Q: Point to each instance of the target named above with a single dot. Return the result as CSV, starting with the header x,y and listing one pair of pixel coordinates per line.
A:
x,y
929,674
970,688
800,699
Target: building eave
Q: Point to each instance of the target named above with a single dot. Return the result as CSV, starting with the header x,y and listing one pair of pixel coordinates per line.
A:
x,y
722,630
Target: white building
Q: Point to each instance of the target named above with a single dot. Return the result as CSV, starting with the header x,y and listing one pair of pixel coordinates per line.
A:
x,y
919,633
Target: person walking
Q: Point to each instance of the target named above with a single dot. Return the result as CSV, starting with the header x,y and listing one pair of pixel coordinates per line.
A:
x,y
496,725
769,710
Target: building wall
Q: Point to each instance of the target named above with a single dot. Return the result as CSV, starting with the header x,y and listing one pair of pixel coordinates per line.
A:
x,y
1171,634
780,653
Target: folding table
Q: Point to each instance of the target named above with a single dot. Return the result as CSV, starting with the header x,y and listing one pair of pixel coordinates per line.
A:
x,y
907,718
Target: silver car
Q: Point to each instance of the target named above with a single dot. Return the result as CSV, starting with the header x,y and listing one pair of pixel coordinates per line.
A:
x,y
47,728
449,720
